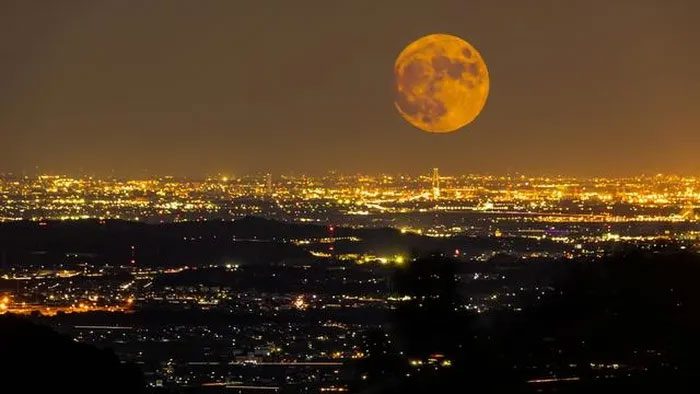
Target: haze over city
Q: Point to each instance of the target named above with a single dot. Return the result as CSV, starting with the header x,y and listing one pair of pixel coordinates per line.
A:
x,y
195,89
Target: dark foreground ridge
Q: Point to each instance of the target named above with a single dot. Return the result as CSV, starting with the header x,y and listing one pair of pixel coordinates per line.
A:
x,y
636,311
627,321
36,359
249,240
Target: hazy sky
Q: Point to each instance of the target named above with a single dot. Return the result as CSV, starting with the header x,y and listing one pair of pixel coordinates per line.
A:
x,y
200,87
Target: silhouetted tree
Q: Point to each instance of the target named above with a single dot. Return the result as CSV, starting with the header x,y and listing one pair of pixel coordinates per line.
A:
x,y
635,309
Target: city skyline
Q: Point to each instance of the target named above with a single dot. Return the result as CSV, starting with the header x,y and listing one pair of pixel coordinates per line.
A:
x,y
359,199
368,197
176,88
38,172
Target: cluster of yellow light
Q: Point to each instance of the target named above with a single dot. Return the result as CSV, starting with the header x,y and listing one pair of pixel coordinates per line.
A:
x,y
334,389
404,298
357,354
433,359
410,230
23,308
300,303
397,260
649,198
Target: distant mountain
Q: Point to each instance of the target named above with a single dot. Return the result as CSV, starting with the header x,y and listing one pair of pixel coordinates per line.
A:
x,y
250,240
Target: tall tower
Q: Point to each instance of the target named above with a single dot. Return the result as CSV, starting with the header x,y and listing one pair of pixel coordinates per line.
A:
x,y
436,184
268,184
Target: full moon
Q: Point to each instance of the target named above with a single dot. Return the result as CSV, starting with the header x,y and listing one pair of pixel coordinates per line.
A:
x,y
441,83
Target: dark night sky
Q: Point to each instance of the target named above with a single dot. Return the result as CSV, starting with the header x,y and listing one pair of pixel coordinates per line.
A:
x,y
594,87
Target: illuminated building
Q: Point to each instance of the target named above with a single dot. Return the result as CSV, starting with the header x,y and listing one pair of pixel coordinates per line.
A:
x,y
436,184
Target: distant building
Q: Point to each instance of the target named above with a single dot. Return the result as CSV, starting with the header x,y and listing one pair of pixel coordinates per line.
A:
x,y
268,184
436,184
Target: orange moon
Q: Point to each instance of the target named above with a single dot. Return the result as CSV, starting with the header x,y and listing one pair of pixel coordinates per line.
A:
x,y
441,83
